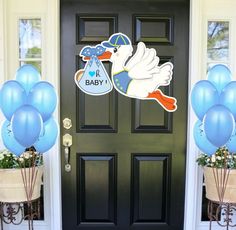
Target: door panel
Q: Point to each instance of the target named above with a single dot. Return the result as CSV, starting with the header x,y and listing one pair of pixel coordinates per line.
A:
x,y
88,119
128,156
150,197
97,175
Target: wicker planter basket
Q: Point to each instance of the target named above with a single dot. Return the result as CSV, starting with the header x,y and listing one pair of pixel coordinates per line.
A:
x,y
229,186
12,188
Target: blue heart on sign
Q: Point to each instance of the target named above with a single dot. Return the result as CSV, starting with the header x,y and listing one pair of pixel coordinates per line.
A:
x,y
91,73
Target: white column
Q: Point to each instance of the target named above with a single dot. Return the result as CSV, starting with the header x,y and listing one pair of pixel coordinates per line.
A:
x,y
195,64
2,56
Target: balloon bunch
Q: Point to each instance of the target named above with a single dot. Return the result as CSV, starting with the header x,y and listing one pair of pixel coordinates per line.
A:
x,y
27,104
214,103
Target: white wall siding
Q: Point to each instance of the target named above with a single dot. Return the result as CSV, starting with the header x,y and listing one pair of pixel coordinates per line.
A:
x,y
2,54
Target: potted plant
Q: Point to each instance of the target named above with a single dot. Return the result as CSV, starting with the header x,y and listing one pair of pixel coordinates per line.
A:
x,y
220,175
20,176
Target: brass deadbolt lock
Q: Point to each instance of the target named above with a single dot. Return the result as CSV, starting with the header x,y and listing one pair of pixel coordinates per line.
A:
x,y
67,123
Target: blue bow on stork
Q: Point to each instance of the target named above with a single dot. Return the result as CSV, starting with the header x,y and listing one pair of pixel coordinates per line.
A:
x,y
89,51
93,53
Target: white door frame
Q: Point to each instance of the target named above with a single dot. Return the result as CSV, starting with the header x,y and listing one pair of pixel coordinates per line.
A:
x,y
195,55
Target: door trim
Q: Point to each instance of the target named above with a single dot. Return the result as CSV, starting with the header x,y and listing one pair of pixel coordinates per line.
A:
x,y
53,75
195,71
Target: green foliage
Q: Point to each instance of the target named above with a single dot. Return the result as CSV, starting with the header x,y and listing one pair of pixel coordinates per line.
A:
x,y
8,160
34,52
221,159
27,159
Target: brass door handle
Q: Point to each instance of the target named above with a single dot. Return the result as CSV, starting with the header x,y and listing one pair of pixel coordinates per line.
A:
x,y
67,159
67,143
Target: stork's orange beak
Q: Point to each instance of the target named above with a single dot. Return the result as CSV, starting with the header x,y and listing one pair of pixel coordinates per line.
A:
x,y
105,56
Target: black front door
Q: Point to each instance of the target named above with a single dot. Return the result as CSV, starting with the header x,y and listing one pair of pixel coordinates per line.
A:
x,y
128,156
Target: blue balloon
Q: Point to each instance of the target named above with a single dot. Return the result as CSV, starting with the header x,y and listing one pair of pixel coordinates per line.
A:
x,y
26,125
9,141
27,76
204,95
49,138
12,97
231,144
44,98
228,97
218,124
219,75
201,140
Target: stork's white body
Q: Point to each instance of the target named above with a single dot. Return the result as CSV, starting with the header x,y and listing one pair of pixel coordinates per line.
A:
x,y
142,68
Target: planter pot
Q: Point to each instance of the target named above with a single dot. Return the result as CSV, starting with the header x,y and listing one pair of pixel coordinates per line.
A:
x,y
12,188
211,185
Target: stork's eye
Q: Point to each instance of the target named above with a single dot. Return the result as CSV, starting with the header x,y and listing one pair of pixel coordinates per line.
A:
x,y
115,50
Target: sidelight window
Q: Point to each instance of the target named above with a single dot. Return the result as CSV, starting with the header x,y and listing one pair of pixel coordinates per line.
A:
x,y
217,43
30,42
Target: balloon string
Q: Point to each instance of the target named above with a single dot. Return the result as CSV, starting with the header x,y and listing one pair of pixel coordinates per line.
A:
x,y
29,180
9,128
221,177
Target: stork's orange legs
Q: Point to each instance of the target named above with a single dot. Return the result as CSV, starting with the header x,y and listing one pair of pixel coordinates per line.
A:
x,y
169,103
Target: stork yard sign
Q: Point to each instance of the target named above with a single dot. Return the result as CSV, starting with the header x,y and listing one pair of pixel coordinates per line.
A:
x,y
139,77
